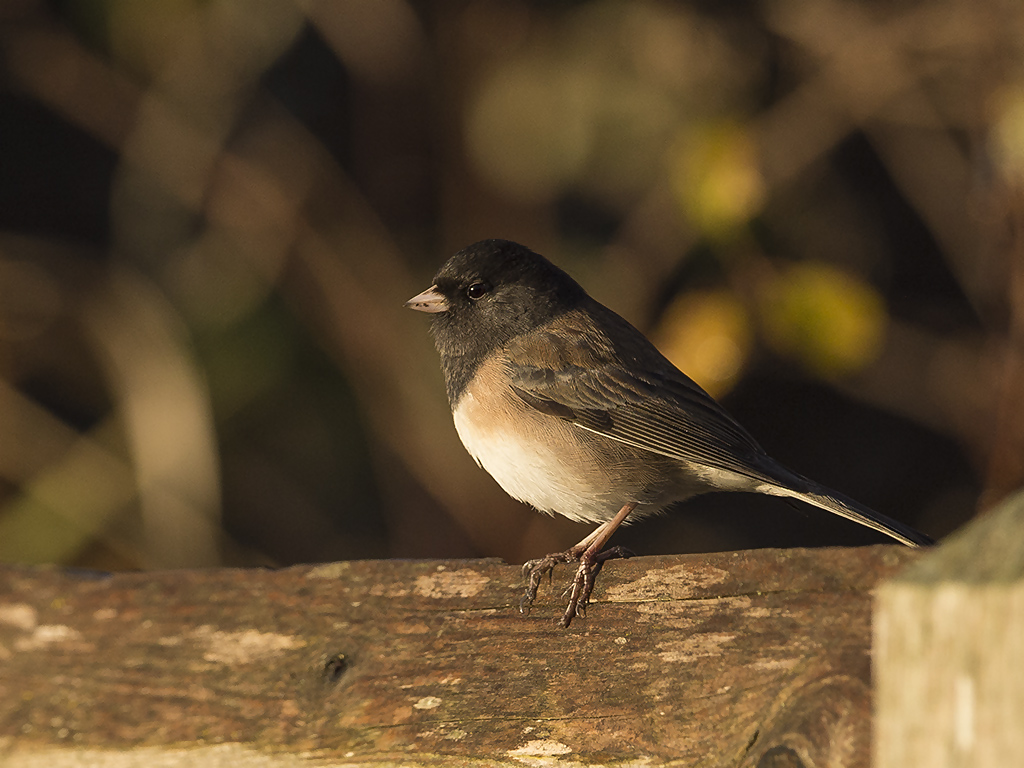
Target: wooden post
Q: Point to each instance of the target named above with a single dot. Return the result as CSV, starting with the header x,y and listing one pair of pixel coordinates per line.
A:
x,y
748,659
949,651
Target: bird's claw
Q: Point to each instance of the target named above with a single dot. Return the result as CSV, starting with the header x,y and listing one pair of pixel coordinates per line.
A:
x,y
579,589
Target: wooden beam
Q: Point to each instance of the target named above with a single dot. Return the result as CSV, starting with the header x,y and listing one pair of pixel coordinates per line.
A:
x,y
753,658
949,639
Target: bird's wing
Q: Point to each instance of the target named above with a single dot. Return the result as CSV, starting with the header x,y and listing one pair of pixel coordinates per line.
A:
x,y
627,391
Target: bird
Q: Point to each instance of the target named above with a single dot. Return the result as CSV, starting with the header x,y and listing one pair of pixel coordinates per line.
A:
x,y
573,411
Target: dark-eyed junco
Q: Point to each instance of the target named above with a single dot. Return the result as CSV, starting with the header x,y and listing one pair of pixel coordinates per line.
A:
x,y
572,410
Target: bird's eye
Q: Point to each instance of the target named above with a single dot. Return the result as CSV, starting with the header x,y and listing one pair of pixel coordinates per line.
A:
x,y
477,290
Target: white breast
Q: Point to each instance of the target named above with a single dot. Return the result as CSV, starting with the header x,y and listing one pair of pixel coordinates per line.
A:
x,y
525,466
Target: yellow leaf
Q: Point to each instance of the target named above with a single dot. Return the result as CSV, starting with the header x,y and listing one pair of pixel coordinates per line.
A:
x,y
830,320
707,335
716,179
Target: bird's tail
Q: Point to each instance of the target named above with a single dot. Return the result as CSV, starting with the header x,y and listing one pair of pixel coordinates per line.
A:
x,y
798,487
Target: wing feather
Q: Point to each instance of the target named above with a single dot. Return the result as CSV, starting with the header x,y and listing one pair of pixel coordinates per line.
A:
x,y
630,393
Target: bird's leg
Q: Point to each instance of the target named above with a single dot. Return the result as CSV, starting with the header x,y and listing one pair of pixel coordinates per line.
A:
x,y
591,558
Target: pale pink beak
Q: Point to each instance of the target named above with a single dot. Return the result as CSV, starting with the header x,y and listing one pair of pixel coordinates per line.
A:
x,y
429,301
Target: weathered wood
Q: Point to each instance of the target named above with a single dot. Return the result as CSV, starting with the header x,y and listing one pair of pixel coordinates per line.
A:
x,y
735,659
949,640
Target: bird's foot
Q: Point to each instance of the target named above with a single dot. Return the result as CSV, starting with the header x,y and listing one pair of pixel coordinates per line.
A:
x,y
535,570
582,585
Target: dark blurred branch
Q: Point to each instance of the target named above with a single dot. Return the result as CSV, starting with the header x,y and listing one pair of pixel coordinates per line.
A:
x,y
875,71
943,383
51,519
1006,460
349,283
50,65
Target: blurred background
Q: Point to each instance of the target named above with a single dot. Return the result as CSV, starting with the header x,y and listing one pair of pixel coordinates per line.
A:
x,y
212,211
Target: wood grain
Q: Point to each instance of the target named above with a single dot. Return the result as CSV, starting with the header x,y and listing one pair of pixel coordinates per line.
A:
x,y
755,658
